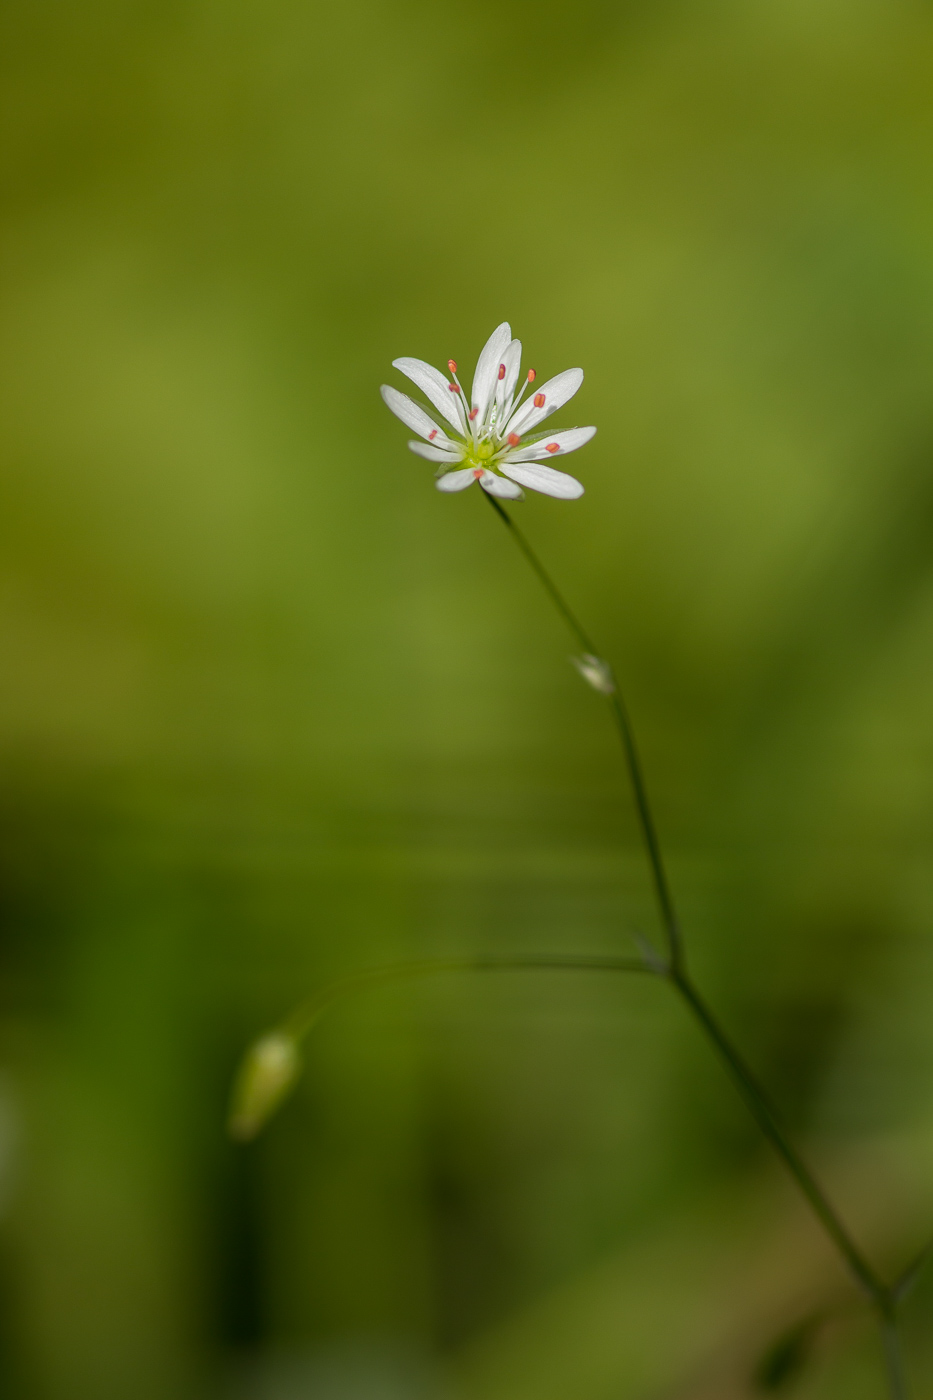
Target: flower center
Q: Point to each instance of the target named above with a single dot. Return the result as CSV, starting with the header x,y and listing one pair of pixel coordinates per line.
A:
x,y
479,454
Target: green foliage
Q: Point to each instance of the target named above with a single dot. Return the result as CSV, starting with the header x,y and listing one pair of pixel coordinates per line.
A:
x,y
274,710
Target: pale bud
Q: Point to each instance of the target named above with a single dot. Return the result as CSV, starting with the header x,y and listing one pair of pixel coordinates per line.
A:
x,y
595,672
269,1070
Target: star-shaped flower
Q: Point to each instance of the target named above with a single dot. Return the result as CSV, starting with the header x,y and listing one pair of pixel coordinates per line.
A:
x,y
494,441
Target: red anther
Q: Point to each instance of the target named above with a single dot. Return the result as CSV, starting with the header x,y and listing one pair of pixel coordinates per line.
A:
x,y
552,447
472,414
502,371
514,439
452,366
477,473
538,400
432,435
454,388
532,376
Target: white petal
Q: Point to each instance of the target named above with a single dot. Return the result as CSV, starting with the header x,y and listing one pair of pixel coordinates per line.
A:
x,y
436,454
455,481
498,486
544,479
555,393
567,441
505,387
487,368
412,415
433,385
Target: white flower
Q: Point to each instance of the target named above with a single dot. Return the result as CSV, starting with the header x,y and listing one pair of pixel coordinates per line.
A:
x,y
494,441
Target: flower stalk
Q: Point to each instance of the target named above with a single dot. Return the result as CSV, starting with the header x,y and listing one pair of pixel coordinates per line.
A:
x,y
626,734
883,1298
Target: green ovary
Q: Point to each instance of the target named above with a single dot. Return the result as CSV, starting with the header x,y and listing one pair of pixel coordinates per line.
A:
x,y
480,455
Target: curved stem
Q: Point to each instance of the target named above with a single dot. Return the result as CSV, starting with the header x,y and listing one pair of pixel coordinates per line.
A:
x,y
305,1016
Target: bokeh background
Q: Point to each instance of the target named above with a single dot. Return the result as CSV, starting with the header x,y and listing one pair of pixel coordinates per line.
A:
x,y
272,709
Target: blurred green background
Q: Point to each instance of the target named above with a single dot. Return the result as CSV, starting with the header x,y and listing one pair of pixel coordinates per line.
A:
x,y
273,709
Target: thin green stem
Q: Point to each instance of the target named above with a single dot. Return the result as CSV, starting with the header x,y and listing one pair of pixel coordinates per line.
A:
x,y
627,736
761,1109
907,1278
649,832
549,584
894,1361
305,1016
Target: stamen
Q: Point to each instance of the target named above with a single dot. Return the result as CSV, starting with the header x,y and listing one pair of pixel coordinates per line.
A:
x,y
513,406
538,400
473,413
552,447
456,389
513,439
532,376
477,473
432,435
502,371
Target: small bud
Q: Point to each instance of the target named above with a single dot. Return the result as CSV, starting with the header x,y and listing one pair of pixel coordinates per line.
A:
x,y
268,1071
595,672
